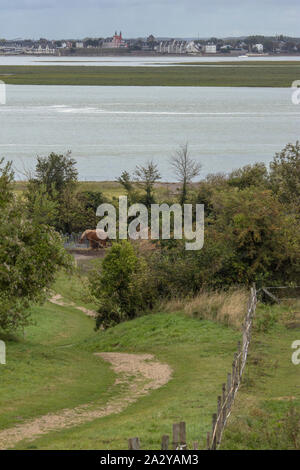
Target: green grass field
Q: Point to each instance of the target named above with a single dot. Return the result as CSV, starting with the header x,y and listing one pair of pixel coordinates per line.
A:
x,y
53,367
270,390
251,74
113,189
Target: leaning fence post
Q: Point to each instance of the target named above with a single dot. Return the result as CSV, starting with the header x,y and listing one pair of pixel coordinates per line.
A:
x,y
213,433
239,360
228,391
224,406
218,431
235,371
134,443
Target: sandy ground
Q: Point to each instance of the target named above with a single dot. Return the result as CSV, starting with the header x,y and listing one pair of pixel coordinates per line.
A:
x,y
138,373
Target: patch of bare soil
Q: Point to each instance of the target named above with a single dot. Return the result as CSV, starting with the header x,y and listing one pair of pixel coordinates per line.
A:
x,y
138,373
85,254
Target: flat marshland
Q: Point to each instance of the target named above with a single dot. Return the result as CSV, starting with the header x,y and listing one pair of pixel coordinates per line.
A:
x,y
218,74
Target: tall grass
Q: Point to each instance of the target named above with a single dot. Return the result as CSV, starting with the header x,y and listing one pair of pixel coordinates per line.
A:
x,y
228,308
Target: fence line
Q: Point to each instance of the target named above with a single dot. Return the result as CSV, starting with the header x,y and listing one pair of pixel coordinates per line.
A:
x,y
72,241
230,389
225,400
269,292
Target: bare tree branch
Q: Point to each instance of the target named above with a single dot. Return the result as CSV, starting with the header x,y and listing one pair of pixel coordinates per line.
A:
x,y
185,169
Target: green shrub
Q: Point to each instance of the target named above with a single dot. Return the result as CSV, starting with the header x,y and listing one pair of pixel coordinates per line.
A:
x,y
266,319
122,286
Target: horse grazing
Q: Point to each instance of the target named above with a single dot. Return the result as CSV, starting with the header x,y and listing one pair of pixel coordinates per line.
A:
x,y
92,237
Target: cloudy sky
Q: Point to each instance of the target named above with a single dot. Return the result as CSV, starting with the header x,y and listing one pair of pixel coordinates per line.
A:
x,y
179,18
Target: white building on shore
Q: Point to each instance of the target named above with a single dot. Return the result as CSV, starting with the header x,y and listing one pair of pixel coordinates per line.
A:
x,y
210,49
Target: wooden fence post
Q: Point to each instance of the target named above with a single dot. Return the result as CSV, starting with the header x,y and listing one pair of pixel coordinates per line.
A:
x,y
213,434
134,443
235,372
208,441
224,404
228,391
182,434
176,434
179,435
239,363
165,442
219,423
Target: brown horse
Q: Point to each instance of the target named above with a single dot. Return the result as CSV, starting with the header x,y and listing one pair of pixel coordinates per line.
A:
x,y
92,237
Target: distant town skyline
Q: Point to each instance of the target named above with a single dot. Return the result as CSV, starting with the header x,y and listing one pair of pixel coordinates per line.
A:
x,y
56,19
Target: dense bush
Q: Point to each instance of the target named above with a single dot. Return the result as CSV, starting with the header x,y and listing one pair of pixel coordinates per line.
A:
x,y
121,286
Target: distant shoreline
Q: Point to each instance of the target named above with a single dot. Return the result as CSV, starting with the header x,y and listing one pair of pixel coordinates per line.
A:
x,y
141,54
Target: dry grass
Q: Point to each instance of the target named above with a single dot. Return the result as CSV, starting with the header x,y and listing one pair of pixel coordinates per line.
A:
x,y
228,308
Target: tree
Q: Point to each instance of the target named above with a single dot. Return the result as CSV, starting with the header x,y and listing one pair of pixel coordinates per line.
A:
x,y
83,214
185,169
127,183
147,176
30,255
6,179
55,178
259,240
285,175
249,175
56,172
41,208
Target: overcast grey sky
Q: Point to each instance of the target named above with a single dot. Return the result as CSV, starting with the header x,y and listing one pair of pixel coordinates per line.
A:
x,y
179,18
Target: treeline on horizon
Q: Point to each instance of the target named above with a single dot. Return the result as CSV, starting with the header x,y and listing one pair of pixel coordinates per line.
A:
x,y
252,221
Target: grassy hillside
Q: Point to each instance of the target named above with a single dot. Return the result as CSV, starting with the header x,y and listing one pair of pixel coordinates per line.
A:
x,y
54,367
262,74
46,370
198,353
267,410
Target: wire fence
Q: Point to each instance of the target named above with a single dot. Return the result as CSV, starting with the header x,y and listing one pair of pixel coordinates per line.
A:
x,y
234,378
279,293
71,241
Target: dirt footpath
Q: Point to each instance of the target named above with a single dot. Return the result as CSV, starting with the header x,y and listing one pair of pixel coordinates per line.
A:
x,y
138,373
58,300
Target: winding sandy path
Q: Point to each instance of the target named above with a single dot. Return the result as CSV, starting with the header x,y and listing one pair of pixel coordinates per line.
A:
x,y
58,300
138,373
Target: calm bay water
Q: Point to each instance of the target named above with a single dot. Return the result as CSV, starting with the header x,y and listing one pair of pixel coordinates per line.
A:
x,y
110,129
133,61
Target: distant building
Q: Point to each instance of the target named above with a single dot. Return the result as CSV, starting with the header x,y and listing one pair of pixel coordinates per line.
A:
x,y
210,49
115,42
259,48
42,50
79,45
